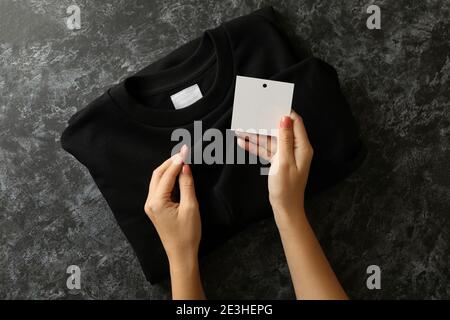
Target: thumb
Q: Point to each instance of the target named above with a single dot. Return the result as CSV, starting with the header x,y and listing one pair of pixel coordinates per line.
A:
x,y
285,140
300,135
187,189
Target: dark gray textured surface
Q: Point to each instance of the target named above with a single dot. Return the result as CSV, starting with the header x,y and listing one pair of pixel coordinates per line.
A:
x,y
392,212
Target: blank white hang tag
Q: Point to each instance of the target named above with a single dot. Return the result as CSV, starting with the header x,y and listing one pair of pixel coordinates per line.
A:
x,y
259,104
186,97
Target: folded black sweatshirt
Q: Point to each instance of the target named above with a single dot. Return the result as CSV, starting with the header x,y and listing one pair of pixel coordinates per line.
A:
x,y
125,134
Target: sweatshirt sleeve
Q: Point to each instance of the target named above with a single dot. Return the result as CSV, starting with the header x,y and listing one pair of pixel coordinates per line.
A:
x,y
79,137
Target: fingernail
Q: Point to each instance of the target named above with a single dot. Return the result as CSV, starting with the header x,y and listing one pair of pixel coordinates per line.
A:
x,y
286,122
183,151
177,159
186,169
182,154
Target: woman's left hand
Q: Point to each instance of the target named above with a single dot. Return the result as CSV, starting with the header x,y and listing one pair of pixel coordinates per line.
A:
x,y
178,224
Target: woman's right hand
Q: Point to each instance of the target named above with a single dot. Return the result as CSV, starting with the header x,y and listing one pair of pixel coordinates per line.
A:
x,y
311,273
290,156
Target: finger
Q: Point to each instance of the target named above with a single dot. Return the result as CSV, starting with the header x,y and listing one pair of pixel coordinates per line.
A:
x,y
167,181
157,174
267,142
301,141
260,145
300,134
255,149
285,143
187,189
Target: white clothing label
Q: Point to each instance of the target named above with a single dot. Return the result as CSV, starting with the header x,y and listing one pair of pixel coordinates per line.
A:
x,y
186,97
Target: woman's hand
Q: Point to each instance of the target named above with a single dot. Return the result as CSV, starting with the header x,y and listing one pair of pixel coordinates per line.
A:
x,y
312,275
178,224
289,166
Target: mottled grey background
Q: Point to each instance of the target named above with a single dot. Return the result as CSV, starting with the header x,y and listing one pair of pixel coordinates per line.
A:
x,y
392,212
